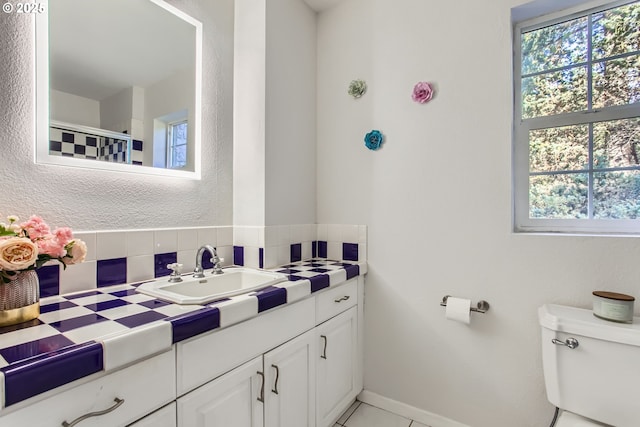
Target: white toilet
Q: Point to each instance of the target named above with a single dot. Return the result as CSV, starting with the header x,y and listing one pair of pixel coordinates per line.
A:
x,y
591,367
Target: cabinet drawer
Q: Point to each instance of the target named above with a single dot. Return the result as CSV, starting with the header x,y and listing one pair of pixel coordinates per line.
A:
x,y
143,387
336,300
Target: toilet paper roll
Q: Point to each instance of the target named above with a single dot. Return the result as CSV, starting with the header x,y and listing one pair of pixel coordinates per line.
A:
x,y
459,309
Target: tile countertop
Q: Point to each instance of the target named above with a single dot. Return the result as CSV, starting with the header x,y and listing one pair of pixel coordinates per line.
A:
x,y
83,333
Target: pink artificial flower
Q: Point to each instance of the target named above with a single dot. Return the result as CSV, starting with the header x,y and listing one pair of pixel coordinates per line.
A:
x,y
64,235
422,92
76,252
49,245
36,228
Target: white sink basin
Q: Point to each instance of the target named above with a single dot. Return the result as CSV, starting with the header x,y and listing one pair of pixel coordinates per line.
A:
x,y
234,281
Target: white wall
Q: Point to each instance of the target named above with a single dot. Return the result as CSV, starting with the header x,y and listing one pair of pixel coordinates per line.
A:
x,y
290,113
69,196
437,202
116,111
69,108
275,113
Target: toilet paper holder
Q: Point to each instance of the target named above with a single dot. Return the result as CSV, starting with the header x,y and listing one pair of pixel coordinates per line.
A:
x,y
481,307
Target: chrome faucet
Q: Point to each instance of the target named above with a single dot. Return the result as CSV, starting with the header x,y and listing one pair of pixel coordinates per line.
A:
x,y
198,273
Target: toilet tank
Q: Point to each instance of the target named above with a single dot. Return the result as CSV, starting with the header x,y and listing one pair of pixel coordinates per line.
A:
x,y
600,378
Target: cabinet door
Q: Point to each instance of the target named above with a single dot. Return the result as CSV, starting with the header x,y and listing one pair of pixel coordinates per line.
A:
x,y
230,400
337,365
290,383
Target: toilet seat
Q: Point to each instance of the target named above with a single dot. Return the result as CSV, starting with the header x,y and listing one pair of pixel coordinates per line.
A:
x,y
569,419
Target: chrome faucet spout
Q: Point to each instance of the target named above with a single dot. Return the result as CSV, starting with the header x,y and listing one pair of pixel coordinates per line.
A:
x,y
215,259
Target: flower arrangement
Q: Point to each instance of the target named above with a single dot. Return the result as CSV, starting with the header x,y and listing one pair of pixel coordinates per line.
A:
x,y
357,88
422,92
29,245
373,140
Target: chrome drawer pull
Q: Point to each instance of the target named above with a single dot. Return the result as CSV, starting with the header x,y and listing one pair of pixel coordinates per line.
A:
x,y
570,342
324,351
261,397
94,414
344,298
275,386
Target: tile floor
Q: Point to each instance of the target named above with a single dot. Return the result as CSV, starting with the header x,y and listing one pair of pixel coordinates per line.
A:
x,y
364,415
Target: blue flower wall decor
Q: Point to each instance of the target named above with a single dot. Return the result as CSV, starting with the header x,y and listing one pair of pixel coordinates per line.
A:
x,y
373,140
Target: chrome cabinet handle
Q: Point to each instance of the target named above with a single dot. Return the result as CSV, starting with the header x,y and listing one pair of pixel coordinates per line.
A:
x,y
570,342
275,385
81,418
344,298
324,351
261,397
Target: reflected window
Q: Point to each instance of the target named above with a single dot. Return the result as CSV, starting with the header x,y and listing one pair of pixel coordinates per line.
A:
x,y
177,145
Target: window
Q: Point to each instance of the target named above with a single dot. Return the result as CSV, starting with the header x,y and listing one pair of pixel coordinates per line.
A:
x,y
577,122
177,145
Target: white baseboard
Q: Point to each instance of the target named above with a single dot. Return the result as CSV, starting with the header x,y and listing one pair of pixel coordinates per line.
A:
x,y
408,411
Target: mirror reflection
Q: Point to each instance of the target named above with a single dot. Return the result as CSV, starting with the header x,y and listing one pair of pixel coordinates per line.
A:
x,y
123,85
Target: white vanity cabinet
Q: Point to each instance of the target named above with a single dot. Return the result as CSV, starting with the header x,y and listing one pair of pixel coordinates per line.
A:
x,y
293,366
303,366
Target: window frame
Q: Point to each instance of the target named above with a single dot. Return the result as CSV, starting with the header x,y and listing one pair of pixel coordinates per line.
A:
x,y
171,145
521,128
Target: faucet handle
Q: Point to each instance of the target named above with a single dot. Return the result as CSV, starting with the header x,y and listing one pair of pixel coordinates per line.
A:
x,y
176,269
217,261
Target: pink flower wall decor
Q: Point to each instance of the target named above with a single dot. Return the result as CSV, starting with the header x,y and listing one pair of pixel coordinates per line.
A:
x,y
422,92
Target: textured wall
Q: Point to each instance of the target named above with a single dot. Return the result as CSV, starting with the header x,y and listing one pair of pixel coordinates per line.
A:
x,y
98,200
437,202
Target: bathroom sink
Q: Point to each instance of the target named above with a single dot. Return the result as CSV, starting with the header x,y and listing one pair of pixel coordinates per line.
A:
x,y
234,281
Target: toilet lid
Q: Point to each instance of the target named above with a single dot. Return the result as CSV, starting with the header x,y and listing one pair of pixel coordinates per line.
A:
x,y
569,419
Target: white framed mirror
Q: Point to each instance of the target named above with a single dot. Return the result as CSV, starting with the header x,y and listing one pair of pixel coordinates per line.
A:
x,y
118,87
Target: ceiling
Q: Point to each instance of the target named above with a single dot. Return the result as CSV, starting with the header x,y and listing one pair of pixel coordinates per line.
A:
x,y
99,47
320,5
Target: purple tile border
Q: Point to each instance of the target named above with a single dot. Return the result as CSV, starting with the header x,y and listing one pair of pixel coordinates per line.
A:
x,y
111,272
260,257
77,322
33,376
49,278
35,348
193,323
270,297
106,305
350,251
140,319
352,271
322,249
318,282
160,262
296,252
56,306
238,255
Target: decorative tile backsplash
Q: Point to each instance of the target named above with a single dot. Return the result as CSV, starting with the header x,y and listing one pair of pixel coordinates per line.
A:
x,y
118,257
270,246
